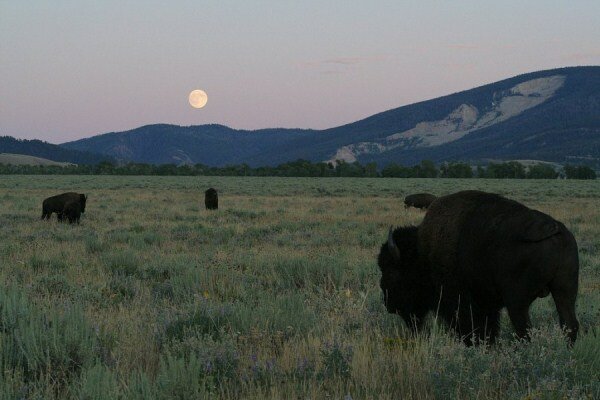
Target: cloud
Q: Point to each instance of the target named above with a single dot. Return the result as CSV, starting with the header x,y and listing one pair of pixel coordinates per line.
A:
x,y
343,61
473,46
346,60
332,72
463,46
582,56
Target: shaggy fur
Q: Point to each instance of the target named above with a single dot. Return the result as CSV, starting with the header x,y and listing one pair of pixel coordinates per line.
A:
x,y
211,199
56,204
419,200
474,254
407,289
72,212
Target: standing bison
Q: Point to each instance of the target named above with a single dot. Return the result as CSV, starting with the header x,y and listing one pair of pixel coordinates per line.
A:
x,y
56,204
419,200
474,254
211,199
72,212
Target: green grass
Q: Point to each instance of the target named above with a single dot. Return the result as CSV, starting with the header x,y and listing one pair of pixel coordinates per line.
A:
x,y
275,295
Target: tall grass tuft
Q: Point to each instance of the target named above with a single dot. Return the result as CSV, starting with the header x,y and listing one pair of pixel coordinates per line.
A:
x,y
49,345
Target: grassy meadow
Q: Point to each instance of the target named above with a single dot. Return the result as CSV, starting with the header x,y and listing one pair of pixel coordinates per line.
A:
x,y
275,295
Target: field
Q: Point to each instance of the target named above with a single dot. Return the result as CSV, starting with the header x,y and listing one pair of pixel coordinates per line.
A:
x,y
275,295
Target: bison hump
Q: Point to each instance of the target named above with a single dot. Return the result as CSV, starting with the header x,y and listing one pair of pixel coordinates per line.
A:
x,y
538,226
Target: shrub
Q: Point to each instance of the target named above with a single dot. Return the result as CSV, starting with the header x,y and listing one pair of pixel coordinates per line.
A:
x,y
98,383
42,262
336,360
44,345
122,262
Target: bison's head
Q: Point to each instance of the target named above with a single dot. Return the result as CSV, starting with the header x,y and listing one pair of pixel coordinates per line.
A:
x,y
82,200
406,285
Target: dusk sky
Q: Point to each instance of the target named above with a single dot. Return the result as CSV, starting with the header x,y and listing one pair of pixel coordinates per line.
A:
x,y
73,69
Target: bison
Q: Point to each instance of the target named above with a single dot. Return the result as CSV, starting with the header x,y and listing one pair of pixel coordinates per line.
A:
x,y
56,204
211,199
419,200
474,254
72,212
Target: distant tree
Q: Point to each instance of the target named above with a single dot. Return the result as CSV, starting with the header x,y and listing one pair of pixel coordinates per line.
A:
x,y
371,169
105,168
350,169
136,169
426,169
480,172
166,169
541,171
185,170
579,172
509,170
516,170
456,170
397,171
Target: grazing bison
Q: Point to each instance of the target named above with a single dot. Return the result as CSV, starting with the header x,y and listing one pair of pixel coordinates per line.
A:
x,y
474,254
56,204
72,212
211,199
419,200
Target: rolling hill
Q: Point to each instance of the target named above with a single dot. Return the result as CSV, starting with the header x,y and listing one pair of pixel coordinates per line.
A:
x,y
551,115
21,159
50,152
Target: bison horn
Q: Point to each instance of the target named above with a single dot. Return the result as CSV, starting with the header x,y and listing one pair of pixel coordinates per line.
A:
x,y
392,245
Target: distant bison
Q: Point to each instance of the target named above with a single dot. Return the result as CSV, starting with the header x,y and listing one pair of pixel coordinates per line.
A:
x,y
56,204
211,199
419,200
72,212
474,254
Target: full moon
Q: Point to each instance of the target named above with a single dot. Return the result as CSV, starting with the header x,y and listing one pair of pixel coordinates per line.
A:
x,y
198,98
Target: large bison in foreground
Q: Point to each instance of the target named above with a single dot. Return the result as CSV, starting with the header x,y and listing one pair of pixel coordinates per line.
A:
x,y
419,200
474,254
211,199
56,204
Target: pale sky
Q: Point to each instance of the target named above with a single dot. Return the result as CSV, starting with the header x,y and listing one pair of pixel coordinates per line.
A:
x,y
73,69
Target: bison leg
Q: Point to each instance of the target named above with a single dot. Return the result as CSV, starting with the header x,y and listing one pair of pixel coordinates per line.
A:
x,y
487,327
476,327
414,322
417,323
519,316
564,298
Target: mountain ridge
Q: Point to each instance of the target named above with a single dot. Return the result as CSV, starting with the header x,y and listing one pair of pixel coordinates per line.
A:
x,y
553,115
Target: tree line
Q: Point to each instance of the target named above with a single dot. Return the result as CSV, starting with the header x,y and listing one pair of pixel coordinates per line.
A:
x,y
304,168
